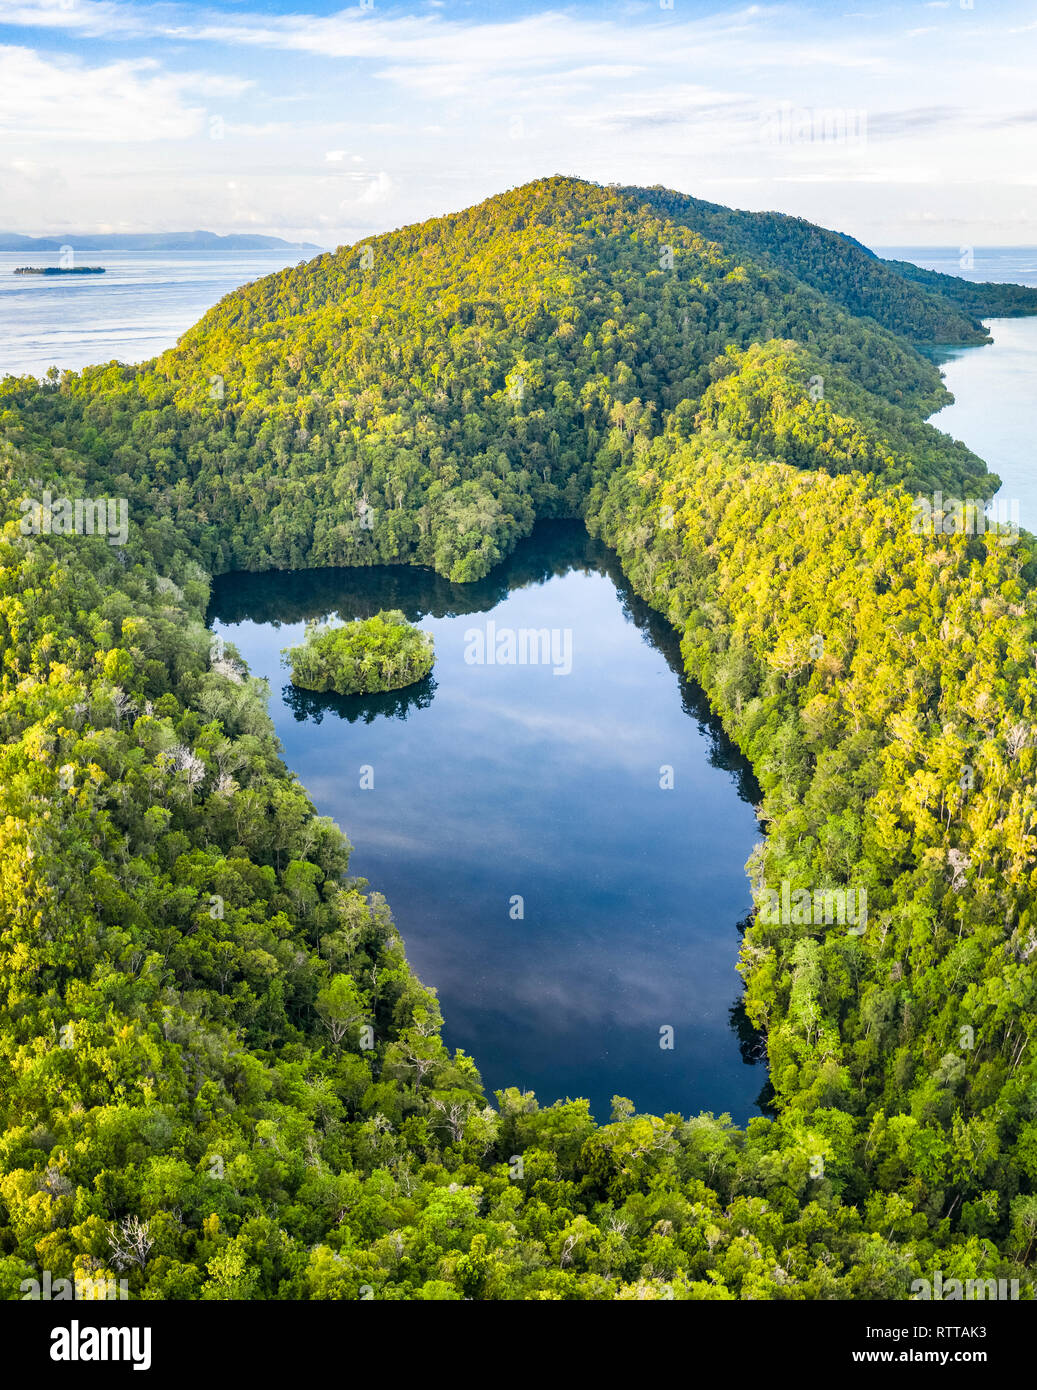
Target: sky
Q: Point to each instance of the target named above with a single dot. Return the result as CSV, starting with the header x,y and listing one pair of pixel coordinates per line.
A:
x,y
911,123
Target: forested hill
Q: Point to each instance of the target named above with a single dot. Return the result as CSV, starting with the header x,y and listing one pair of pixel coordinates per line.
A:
x,y
219,1078
425,394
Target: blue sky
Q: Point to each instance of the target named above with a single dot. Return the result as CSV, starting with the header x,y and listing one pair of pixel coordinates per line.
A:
x,y
911,123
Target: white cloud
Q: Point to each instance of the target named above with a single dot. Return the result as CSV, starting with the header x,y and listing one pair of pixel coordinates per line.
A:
x,y
449,107
538,42
64,99
86,16
376,188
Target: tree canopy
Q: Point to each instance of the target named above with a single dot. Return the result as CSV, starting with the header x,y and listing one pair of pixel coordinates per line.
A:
x,y
219,1077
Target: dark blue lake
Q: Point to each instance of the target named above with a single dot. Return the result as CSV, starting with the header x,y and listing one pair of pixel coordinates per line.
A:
x,y
493,783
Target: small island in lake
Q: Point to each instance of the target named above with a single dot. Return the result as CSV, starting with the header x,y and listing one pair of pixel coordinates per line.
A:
x,y
368,656
59,270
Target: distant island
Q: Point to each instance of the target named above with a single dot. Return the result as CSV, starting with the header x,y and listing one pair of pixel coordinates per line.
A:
x,y
152,241
60,270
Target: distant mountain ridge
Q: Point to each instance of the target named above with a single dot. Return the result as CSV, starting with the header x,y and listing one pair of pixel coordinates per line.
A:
x,y
153,241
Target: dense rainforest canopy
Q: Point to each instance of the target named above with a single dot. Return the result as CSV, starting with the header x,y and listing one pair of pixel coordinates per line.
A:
x,y
218,1076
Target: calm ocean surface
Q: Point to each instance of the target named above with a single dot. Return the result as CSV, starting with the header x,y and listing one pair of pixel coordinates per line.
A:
x,y
137,309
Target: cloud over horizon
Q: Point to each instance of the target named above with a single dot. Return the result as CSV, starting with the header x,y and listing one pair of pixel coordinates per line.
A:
x,y
908,124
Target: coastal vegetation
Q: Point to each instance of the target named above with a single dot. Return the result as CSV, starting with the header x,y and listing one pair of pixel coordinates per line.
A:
x,y
219,1077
